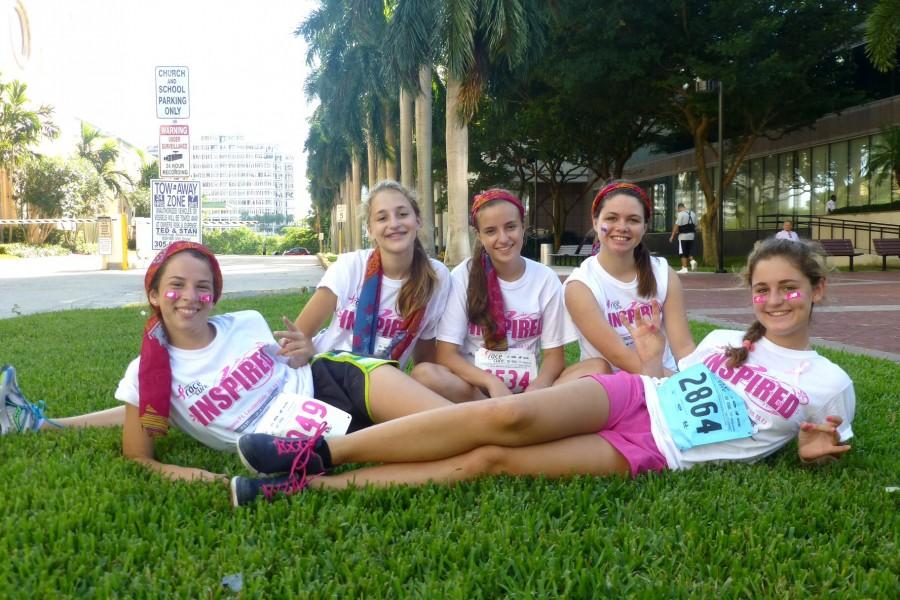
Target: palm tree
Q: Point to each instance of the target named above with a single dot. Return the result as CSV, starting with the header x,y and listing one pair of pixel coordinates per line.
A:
x,y
883,34
884,157
104,161
482,39
20,129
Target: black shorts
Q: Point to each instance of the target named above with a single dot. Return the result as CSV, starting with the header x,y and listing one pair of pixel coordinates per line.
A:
x,y
342,380
684,247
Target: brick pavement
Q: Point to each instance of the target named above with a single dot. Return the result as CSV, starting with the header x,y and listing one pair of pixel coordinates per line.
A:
x,y
861,313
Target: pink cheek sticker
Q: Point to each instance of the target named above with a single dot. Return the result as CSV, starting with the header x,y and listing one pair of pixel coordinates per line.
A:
x,y
206,298
795,295
604,229
760,298
172,295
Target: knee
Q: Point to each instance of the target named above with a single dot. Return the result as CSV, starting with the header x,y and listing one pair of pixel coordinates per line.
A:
x,y
428,374
506,414
485,460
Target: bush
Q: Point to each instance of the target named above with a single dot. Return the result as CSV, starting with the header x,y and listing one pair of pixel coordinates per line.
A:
x,y
240,240
298,236
27,251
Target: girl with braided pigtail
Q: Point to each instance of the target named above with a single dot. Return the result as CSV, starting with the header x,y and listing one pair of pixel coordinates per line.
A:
x,y
723,405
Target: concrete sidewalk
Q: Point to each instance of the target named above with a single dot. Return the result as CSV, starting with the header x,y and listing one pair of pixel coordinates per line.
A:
x,y
861,312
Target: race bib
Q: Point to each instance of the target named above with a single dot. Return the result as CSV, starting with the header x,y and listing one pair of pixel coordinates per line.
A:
x,y
294,415
700,408
516,367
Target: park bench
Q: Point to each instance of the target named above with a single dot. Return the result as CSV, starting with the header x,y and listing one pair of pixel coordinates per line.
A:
x,y
565,252
585,251
887,247
840,248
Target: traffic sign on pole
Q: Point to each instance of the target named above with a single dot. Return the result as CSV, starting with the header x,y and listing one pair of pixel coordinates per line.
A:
x,y
172,93
174,151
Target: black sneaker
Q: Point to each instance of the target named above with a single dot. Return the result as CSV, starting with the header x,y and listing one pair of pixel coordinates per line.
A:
x,y
245,490
265,454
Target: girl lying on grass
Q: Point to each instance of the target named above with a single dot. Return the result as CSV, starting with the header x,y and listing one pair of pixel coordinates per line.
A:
x,y
739,396
383,302
218,377
622,280
504,310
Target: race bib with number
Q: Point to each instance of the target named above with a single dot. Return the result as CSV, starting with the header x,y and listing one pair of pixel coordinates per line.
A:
x,y
700,408
294,415
515,367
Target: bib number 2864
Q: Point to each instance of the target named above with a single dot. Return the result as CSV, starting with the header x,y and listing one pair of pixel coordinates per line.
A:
x,y
700,408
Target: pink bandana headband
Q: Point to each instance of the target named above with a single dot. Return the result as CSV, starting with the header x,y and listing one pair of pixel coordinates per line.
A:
x,y
621,185
495,194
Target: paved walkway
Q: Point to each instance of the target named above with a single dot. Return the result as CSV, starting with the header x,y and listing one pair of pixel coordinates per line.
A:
x,y
861,312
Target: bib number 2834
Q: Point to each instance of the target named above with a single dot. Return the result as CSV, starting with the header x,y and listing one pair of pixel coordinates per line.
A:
x,y
700,408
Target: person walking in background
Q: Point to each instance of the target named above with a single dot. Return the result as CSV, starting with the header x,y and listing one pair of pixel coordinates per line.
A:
x,y
787,232
831,204
684,228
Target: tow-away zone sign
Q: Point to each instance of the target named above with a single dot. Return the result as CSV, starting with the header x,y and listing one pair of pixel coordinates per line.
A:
x,y
174,212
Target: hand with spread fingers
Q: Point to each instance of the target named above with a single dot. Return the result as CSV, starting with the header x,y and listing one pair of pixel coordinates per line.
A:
x,y
294,344
649,340
820,442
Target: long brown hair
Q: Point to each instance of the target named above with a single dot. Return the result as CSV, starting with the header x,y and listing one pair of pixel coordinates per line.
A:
x,y
806,257
422,281
477,300
646,281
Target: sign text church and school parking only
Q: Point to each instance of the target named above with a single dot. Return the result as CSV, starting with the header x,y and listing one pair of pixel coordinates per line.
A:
x,y
172,93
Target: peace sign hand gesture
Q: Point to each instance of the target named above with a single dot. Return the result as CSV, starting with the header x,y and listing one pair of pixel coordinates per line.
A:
x,y
649,340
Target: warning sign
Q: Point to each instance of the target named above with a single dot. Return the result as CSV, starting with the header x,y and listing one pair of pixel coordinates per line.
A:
x,y
172,93
174,151
174,212
104,235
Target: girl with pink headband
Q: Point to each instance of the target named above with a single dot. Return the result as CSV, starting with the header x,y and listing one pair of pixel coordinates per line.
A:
x,y
740,396
622,279
218,377
504,310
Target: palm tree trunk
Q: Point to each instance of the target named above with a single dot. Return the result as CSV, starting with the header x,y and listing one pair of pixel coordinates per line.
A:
x,y
458,247
406,151
424,140
390,139
372,157
356,194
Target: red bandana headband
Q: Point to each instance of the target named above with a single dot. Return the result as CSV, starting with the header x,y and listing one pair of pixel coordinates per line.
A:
x,y
621,185
155,370
495,194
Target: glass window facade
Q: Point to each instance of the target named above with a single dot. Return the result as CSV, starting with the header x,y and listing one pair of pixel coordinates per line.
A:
x,y
795,182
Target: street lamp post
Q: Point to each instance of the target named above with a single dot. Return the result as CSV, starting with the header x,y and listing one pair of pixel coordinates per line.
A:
x,y
720,186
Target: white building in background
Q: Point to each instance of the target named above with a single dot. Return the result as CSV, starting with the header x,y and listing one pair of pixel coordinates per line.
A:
x,y
241,179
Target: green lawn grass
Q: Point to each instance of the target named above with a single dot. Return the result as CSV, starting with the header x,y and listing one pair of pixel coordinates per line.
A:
x,y
77,519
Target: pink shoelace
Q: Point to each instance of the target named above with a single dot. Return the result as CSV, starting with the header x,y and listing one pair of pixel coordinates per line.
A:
x,y
304,448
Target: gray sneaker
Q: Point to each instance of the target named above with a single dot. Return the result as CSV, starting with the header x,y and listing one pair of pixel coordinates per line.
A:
x,y
17,414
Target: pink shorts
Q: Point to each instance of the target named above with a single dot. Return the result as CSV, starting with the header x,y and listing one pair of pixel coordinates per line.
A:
x,y
628,427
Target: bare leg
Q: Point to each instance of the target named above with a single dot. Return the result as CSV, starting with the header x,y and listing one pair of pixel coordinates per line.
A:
x,y
580,369
526,419
111,417
580,455
442,380
393,395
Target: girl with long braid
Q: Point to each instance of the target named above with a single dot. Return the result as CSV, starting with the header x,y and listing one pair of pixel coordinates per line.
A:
x,y
740,396
622,279
503,311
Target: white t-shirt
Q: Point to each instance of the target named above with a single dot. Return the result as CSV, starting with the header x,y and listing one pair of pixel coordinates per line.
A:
x,y
683,218
222,391
613,296
534,312
787,235
345,279
780,387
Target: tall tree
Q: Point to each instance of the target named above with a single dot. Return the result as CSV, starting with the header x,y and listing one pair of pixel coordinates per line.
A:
x,y
781,68
103,154
883,34
482,39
